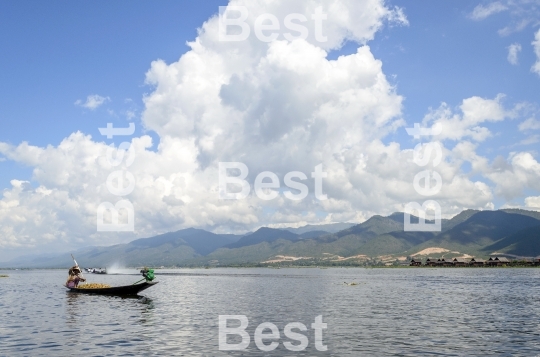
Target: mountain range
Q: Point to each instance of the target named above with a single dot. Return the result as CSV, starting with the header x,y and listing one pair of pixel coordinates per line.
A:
x,y
510,232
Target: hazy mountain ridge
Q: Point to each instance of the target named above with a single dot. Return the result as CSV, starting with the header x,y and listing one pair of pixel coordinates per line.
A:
x,y
525,242
482,229
164,249
261,235
329,228
203,242
478,233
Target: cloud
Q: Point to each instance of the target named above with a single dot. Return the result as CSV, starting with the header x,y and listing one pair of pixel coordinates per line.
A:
x,y
345,20
536,45
173,191
397,16
474,111
529,124
521,172
521,13
532,202
508,177
482,12
130,114
93,101
513,51
280,106
516,26
533,139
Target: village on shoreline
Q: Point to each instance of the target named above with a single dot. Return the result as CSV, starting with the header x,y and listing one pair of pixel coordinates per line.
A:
x,y
473,262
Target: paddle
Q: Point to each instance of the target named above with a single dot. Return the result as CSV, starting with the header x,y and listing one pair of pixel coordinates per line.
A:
x,y
77,265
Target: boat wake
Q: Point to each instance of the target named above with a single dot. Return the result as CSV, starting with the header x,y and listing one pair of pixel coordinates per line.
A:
x,y
118,269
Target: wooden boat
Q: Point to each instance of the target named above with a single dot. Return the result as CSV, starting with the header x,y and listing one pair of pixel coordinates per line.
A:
x,y
129,290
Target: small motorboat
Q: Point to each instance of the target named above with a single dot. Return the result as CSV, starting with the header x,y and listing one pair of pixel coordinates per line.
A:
x,y
128,290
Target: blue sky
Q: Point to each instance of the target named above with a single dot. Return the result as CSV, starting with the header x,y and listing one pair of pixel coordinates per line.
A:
x,y
63,51
58,53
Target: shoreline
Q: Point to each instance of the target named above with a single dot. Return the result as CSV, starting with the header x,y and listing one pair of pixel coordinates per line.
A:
x,y
295,267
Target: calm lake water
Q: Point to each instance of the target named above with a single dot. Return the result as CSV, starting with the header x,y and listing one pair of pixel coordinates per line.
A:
x,y
391,312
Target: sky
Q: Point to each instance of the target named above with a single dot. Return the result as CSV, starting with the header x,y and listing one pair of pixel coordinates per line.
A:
x,y
341,98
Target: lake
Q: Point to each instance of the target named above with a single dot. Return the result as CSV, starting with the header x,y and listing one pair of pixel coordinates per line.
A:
x,y
391,312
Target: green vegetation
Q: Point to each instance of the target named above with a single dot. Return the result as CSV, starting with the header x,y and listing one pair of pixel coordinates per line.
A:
x,y
377,242
487,231
4,276
525,242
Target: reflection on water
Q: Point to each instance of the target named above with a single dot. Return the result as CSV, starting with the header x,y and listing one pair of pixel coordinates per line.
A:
x,y
77,303
391,312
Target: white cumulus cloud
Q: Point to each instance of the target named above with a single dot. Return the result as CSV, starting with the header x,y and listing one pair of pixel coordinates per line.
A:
x,y
481,12
536,45
92,102
279,106
533,202
529,124
513,51
474,111
521,14
519,172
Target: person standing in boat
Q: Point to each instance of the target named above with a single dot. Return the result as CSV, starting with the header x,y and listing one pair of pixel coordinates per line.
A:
x,y
74,277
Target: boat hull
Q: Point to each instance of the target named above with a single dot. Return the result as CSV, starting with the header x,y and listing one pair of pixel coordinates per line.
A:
x,y
128,290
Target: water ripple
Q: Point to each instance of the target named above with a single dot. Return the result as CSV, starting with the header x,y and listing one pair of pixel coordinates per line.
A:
x,y
391,312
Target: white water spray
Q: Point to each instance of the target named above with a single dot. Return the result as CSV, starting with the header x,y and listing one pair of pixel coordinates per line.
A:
x,y
117,268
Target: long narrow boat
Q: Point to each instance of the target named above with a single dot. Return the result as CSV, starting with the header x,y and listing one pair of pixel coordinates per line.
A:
x,y
128,290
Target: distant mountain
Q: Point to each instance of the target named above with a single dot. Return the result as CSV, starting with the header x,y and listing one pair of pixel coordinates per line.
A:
x,y
165,249
263,234
480,230
479,233
343,243
448,224
525,242
50,260
201,241
533,214
468,232
375,226
393,243
313,234
330,228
